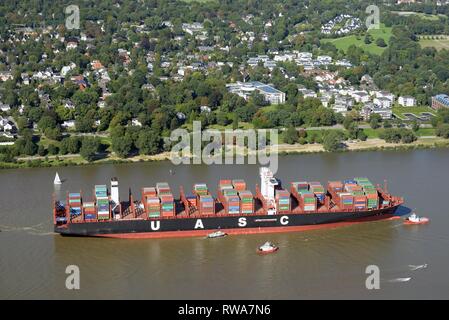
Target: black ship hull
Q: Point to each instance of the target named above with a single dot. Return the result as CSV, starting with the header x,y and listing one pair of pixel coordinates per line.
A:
x,y
235,224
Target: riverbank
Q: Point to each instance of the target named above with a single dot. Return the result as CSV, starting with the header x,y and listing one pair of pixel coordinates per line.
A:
x,y
374,144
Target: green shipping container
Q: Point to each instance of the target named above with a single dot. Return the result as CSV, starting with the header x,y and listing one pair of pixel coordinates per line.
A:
x,y
154,215
230,192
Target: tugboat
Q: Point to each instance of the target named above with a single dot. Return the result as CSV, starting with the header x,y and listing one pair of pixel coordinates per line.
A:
x,y
217,234
267,248
415,219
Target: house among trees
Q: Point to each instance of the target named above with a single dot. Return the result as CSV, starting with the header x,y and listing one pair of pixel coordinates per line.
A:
x,y
407,101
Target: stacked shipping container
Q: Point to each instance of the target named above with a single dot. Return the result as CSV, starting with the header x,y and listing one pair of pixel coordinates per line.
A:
x,y
306,198
282,201
318,190
102,200
90,213
74,204
151,202
207,204
246,202
370,192
166,198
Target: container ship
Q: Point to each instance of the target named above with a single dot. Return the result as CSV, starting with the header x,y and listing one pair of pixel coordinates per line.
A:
x,y
156,213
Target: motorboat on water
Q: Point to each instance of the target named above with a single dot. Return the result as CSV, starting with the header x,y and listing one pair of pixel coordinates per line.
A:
x,y
267,247
217,234
415,219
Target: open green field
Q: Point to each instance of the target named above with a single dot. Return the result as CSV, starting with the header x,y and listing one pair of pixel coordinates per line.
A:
x,y
425,132
371,133
200,1
399,111
374,133
431,17
344,43
439,44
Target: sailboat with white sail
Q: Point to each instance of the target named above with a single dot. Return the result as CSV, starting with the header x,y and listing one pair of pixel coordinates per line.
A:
x,y
57,179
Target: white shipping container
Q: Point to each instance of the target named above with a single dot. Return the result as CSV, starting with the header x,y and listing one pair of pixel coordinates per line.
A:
x,y
309,208
344,194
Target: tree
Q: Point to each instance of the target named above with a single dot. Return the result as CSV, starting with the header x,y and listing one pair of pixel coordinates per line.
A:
x,y
368,39
30,148
407,136
361,135
53,149
90,146
46,122
381,43
391,135
375,120
53,133
41,150
148,142
73,144
442,130
85,124
348,122
332,140
222,118
122,145
353,130
291,136
235,121
415,126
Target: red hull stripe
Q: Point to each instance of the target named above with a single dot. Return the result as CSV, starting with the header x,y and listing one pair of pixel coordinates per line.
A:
x,y
234,231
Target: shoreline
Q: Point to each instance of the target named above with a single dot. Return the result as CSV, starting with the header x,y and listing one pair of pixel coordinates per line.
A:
x,y
374,144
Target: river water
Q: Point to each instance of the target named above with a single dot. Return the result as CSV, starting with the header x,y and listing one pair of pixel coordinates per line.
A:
x,y
327,263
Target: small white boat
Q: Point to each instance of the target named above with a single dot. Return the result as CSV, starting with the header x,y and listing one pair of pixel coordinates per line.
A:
x,y
217,234
401,279
267,247
57,179
415,219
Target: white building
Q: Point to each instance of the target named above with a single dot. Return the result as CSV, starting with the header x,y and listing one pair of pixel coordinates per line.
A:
x,y
385,94
4,107
383,102
407,101
245,89
136,123
68,124
371,108
361,96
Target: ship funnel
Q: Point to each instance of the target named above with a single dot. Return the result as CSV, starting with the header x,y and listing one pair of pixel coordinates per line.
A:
x,y
115,192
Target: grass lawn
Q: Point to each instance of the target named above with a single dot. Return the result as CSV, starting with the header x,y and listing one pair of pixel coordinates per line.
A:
x,y
438,44
399,111
425,132
371,133
46,142
431,17
200,1
344,43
